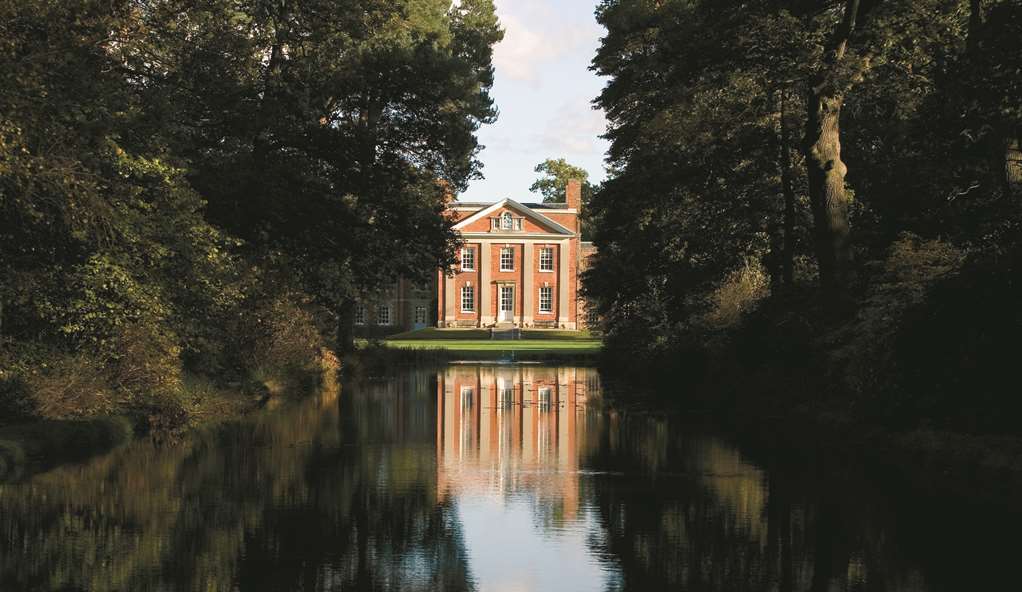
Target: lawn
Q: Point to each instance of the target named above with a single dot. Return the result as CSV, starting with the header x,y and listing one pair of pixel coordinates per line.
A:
x,y
476,343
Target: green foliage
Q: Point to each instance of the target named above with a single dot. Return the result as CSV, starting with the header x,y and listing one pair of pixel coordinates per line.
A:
x,y
555,176
181,183
707,111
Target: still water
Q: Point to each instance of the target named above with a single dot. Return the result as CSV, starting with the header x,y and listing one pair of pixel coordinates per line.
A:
x,y
491,478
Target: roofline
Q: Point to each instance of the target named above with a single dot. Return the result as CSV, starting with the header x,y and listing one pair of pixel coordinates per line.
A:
x,y
510,237
512,204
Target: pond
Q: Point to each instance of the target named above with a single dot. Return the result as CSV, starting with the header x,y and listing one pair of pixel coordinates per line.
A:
x,y
486,477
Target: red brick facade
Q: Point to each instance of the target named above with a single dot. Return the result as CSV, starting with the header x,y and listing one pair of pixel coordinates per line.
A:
x,y
522,294
531,295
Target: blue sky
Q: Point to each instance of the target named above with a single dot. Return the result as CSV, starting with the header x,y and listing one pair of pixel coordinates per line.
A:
x,y
543,89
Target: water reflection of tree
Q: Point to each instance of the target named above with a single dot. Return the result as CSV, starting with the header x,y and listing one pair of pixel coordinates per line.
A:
x,y
283,501
684,511
701,518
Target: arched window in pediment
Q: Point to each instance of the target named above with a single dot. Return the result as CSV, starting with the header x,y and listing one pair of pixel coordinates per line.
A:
x,y
506,221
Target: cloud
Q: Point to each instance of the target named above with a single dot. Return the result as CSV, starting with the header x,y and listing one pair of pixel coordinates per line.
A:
x,y
534,35
574,129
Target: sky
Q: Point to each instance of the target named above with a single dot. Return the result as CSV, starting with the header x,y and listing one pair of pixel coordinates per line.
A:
x,y
544,91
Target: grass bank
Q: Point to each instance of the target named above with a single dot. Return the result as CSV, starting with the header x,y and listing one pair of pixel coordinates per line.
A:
x,y
477,344
31,445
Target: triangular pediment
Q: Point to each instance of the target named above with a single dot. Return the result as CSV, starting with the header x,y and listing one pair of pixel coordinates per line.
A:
x,y
511,205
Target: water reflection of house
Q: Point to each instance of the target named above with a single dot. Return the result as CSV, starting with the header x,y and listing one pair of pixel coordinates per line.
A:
x,y
512,428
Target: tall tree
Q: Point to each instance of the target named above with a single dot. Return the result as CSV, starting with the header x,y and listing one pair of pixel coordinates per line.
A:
x,y
331,130
826,170
555,174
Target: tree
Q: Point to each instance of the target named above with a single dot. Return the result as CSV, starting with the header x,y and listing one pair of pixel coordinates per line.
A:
x,y
704,100
331,133
555,176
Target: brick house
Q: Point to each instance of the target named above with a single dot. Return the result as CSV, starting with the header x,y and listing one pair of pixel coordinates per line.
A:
x,y
519,265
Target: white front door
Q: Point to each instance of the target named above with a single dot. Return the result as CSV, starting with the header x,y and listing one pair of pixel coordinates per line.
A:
x,y
507,304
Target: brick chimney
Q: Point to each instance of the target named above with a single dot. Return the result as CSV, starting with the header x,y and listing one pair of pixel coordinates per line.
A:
x,y
573,194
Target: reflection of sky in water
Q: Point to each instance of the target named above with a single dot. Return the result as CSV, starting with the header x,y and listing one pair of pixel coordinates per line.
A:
x,y
492,478
508,452
509,552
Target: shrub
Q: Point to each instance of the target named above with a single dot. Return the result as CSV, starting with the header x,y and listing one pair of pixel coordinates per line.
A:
x,y
277,340
737,295
866,346
71,386
147,360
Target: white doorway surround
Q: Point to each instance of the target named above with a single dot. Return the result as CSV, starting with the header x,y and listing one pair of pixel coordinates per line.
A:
x,y
506,312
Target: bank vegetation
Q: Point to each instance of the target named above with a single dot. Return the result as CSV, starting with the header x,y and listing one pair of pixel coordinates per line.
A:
x,y
193,193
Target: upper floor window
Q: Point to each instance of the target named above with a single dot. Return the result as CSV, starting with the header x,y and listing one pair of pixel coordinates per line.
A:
x,y
383,315
360,314
546,259
468,299
506,221
507,259
468,259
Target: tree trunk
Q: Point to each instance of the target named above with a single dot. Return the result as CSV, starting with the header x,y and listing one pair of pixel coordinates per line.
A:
x,y
788,190
826,171
346,327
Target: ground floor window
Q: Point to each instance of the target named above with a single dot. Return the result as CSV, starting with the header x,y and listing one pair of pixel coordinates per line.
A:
x,y
468,299
383,315
360,314
546,299
420,315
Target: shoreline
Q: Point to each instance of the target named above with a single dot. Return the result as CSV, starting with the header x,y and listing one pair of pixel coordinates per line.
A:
x,y
33,447
986,467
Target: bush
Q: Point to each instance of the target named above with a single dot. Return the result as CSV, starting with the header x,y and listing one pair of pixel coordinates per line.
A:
x,y
41,382
71,386
865,346
958,352
738,294
147,361
277,340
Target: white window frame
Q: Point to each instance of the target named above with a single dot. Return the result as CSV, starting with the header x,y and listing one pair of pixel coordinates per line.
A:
x,y
471,300
510,251
360,314
543,259
506,221
549,299
470,254
420,315
384,318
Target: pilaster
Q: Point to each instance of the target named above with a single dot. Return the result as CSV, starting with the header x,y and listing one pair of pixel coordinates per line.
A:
x,y
563,306
449,298
527,296
485,287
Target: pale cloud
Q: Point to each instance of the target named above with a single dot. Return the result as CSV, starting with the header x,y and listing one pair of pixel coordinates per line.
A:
x,y
544,89
534,35
574,129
